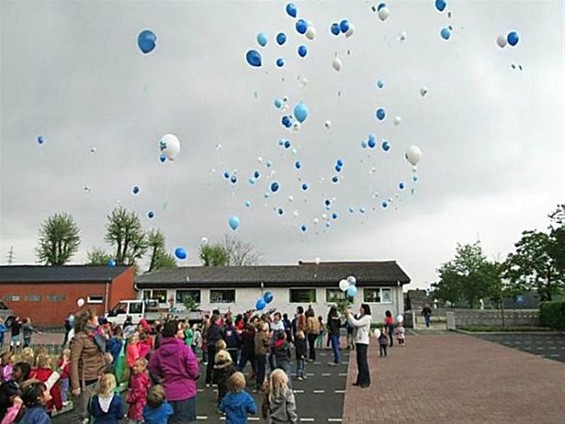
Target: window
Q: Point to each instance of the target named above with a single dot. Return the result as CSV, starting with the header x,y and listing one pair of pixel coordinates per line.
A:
x,y
11,298
159,295
33,298
334,295
56,298
182,295
222,296
95,298
146,294
374,295
136,308
302,295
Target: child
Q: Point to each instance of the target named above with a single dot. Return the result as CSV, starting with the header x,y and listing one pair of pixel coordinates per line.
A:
x,y
13,411
28,330
64,364
10,388
157,410
320,338
106,407
7,361
237,403
132,351
43,372
300,347
196,338
223,369
400,334
383,342
35,396
188,334
281,350
3,329
139,387
28,356
279,404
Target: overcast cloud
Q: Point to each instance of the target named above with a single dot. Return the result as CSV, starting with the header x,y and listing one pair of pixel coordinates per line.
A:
x,y
492,136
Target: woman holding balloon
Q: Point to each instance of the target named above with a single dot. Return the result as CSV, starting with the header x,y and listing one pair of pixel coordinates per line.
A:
x,y
363,326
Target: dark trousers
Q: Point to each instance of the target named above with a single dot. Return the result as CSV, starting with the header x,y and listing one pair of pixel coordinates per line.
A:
x,y
363,377
210,366
261,362
391,335
334,338
244,357
233,353
382,350
311,349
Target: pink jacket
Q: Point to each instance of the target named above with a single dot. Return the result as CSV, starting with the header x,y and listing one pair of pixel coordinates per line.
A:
x,y
137,396
132,353
11,414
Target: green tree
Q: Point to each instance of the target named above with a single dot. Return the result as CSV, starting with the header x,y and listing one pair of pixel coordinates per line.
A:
x,y
240,253
533,266
214,255
58,239
159,256
124,233
97,256
557,235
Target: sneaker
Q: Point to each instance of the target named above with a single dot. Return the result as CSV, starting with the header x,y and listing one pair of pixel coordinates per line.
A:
x,y
304,377
332,364
207,384
299,378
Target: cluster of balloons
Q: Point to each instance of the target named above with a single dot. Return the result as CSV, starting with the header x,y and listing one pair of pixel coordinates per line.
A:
x,y
169,145
180,253
511,38
348,286
382,11
377,332
343,27
264,301
146,41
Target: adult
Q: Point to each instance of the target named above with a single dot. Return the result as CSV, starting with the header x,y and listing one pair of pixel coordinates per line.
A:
x,y
212,336
15,328
28,330
312,332
287,327
389,326
69,324
363,327
427,312
231,336
261,346
88,348
176,365
334,324
299,321
277,327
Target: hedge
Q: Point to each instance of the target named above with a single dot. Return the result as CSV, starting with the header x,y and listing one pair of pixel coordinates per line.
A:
x,y
552,314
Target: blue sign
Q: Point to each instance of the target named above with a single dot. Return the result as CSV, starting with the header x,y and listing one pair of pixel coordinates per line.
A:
x,y
520,298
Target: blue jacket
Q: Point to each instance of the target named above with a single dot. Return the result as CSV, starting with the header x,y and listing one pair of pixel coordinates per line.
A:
x,y
237,406
114,347
36,415
158,415
113,415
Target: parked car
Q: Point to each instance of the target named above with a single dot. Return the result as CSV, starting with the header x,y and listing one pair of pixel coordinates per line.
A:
x,y
6,314
138,309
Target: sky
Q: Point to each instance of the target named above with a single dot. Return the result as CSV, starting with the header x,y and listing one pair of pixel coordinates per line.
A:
x,y
490,126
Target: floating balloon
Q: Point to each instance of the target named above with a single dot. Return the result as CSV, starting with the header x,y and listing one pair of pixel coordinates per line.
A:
x,y
234,222
445,33
233,179
268,297
352,280
401,186
253,58
281,38
302,50
336,63
295,127
301,112
350,30
280,211
297,164
328,124
501,41
423,91
40,139
278,103
150,214
304,228
413,155
384,204
262,41
400,319
169,144
513,38
204,240
146,41
384,14
274,186
335,179
291,10
162,158
317,261
301,26
397,120
304,186
380,84
286,121
343,285
344,26
351,209
247,204
311,33
280,62
351,291
402,36
260,305
377,333
371,143
111,263
334,29
334,215
80,302
180,253
380,6
386,146
440,5
135,190
381,114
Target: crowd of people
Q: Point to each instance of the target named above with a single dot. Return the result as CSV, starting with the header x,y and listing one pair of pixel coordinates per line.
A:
x,y
161,364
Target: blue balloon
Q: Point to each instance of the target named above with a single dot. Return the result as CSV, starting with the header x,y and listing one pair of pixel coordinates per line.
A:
x,y
351,209
150,214
262,39
334,215
380,6
301,112
344,26
335,179
40,139
254,58
302,50
256,174
301,26
337,168
304,228
233,179
286,121
371,143
135,189
380,114
414,178
281,211
297,164
440,5
234,222
372,137
364,144
281,38
163,158
280,62
180,253
146,41
111,263
334,29
291,10
339,162
274,186
327,202
401,186
385,146
362,210
227,175
445,33
268,297
278,103
384,204
260,305
380,83
513,38
304,186
351,291
269,163
247,204
251,181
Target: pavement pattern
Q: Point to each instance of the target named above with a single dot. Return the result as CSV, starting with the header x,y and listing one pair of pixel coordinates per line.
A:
x,y
550,346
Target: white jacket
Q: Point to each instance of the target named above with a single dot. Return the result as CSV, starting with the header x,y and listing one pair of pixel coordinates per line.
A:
x,y
363,327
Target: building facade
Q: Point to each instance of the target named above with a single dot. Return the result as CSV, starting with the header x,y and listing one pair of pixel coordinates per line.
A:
x,y
47,294
238,288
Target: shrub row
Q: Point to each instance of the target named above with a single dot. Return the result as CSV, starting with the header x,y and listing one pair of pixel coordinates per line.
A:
x,y
552,314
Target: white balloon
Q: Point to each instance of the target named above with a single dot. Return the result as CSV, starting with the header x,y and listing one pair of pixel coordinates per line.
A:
x,y
423,91
80,302
259,159
397,120
402,36
285,99
336,64
310,33
343,285
384,13
317,261
315,221
350,31
413,155
501,41
295,126
204,240
351,280
170,146
400,319
324,216
328,124
92,150
377,333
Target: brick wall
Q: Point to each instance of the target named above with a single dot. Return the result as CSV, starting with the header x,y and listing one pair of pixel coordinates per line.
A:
x,y
122,287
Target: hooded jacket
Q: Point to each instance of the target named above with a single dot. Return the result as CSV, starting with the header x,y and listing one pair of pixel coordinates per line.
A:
x,y
86,359
282,351
159,415
35,415
176,364
281,409
107,410
236,407
137,396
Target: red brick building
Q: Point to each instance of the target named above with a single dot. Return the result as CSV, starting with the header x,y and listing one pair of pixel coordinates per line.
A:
x,y
47,294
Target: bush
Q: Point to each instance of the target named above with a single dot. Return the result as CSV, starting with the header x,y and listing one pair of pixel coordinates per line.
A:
x,y
552,314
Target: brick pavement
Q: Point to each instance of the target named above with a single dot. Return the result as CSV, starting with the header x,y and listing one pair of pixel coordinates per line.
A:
x,y
456,379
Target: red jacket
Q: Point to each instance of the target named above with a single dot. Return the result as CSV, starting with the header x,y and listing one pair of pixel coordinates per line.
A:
x,y
66,370
43,374
137,396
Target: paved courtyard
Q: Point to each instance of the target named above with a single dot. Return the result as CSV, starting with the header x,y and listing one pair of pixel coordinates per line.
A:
x,y
550,346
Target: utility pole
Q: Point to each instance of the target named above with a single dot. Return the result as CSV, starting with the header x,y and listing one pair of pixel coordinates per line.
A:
x,y
10,256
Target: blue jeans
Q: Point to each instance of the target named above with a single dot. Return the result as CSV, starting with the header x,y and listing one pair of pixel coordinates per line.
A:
x,y
300,367
427,318
335,347
285,366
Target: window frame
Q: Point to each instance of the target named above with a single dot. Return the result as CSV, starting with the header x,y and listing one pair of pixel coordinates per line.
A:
x,y
312,299
92,301
33,298
223,302
380,291
197,299
342,295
